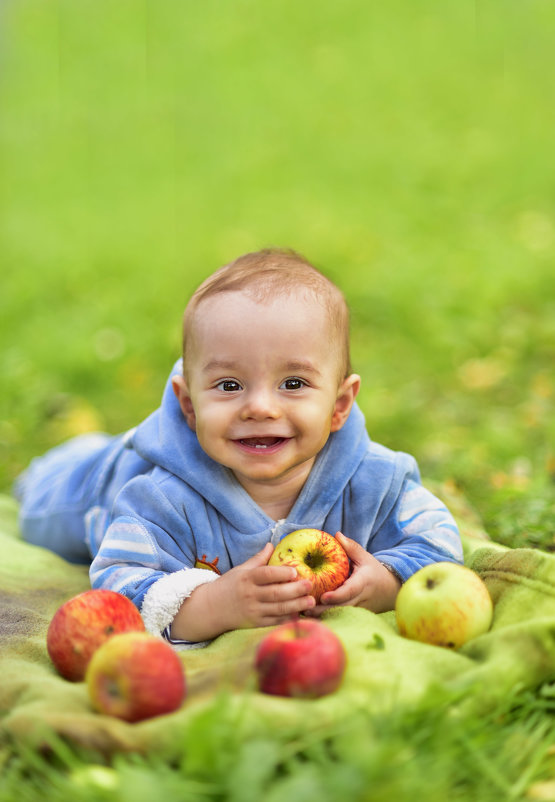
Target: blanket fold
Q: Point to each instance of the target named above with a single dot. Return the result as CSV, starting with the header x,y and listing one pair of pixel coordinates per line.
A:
x,y
384,670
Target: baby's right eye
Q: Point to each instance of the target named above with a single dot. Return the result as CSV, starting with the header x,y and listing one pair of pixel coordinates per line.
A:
x,y
228,386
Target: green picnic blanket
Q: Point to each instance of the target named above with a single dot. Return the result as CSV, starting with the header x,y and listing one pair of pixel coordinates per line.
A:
x,y
384,670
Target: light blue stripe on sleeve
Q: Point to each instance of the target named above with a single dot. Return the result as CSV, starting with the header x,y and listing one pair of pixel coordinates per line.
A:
x,y
422,514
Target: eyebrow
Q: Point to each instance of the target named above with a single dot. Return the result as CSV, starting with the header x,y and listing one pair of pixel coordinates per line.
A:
x,y
302,367
293,366
218,364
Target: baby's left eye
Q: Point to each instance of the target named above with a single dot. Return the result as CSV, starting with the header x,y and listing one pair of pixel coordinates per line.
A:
x,y
292,384
228,386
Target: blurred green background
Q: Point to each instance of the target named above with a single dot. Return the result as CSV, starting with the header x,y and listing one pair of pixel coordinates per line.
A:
x,y
405,147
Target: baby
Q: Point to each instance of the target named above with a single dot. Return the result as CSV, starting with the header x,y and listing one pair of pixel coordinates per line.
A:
x,y
258,434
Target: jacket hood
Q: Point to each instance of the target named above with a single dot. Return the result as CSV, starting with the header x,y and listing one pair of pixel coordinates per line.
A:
x,y
165,439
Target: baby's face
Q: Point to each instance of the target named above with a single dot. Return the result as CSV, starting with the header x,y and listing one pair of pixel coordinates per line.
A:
x,y
263,390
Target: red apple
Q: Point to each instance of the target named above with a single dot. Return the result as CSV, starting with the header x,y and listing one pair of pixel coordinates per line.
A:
x,y
301,658
317,556
83,623
134,676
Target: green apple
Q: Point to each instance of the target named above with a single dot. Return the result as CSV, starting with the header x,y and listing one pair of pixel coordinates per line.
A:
x,y
445,604
316,556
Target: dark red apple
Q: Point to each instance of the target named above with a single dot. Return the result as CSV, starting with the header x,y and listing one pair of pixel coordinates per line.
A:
x,y
302,658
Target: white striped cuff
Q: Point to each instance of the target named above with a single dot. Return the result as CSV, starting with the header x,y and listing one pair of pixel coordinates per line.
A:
x,y
164,598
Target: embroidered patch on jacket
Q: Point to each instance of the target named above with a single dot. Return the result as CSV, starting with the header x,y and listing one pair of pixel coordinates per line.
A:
x,y
210,566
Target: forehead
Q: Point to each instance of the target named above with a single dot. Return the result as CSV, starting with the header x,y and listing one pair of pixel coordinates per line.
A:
x,y
234,322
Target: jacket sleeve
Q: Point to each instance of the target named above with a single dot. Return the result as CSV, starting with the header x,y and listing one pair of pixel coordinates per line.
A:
x,y
420,531
148,554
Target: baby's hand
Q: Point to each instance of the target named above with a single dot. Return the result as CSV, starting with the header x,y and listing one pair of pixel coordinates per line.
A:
x,y
370,584
252,594
255,594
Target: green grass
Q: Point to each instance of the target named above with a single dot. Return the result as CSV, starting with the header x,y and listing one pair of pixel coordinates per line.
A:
x,y
406,148
503,755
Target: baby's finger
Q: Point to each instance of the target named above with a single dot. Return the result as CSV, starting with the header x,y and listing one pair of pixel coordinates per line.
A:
x,y
260,558
347,593
285,591
273,574
355,552
284,610
317,610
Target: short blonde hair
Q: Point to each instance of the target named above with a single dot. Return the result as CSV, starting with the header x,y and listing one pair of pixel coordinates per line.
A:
x,y
268,273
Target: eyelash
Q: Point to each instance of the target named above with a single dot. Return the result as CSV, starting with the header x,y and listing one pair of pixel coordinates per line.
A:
x,y
221,386
295,379
236,386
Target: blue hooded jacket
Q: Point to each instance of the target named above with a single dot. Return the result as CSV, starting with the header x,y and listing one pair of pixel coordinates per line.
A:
x,y
162,505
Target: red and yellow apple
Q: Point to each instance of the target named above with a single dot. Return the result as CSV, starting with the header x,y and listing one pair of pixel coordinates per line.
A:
x,y
445,604
316,556
134,676
84,623
301,658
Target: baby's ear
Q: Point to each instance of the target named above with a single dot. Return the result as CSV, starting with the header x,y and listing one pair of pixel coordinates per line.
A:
x,y
346,395
182,394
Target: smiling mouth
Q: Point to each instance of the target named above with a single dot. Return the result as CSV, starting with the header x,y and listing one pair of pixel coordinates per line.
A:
x,y
261,443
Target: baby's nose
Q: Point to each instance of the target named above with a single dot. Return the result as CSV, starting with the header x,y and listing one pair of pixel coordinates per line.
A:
x,y
260,404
